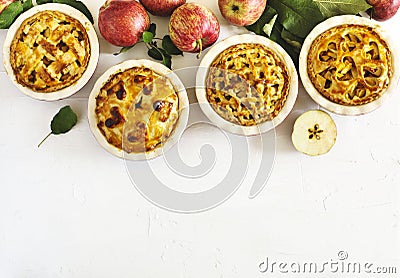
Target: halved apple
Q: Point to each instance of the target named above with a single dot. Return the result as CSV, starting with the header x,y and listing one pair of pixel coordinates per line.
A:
x,y
314,133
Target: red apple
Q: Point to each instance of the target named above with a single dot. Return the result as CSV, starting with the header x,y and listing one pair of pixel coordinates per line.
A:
x,y
193,27
162,7
122,22
384,9
242,12
4,4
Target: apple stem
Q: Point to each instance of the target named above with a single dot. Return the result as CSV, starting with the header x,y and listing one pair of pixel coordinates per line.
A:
x,y
200,44
371,13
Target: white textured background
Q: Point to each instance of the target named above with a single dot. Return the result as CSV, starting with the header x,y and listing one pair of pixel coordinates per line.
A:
x,y
68,209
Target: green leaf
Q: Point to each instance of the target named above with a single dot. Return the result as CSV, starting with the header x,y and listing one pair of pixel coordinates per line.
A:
x,y
170,47
267,29
27,5
331,8
265,18
167,60
147,36
152,29
155,53
123,50
40,2
276,36
10,13
62,122
153,44
79,6
160,55
292,40
298,17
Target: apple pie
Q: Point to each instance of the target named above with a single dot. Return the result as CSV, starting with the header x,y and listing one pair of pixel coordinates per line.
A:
x,y
137,110
247,84
50,51
350,64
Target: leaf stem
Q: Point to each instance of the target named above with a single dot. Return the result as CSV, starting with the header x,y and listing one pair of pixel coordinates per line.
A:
x,y
44,139
159,51
126,48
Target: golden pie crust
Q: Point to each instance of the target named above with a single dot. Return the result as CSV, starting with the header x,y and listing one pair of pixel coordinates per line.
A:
x,y
137,110
50,51
247,84
350,64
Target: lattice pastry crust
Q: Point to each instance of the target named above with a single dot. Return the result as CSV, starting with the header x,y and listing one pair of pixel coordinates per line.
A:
x,y
137,110
247,84
49,52
350,64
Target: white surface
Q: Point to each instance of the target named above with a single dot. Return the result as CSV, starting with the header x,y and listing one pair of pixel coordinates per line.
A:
x,y
69,209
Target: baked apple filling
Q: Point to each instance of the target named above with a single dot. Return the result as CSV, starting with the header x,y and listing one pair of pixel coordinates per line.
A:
x,y
247,84
350,64
137,110
49,52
